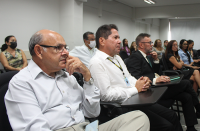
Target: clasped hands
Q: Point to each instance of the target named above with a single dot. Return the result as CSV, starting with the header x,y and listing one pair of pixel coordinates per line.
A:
x,y
143,84
73,64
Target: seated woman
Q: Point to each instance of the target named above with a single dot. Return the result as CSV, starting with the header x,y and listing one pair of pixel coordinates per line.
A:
x,y
125,47
185,55
193,54
133,47
157,47
165,44
11,57
175,63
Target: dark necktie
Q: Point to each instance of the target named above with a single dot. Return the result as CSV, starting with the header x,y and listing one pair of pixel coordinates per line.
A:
x,y
149,61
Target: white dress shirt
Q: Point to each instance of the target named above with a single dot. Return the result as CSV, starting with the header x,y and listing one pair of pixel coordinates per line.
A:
x,y
83,53
110,79
36,101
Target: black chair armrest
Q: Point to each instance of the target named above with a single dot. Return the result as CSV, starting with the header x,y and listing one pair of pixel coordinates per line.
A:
x,y
114,104
171,72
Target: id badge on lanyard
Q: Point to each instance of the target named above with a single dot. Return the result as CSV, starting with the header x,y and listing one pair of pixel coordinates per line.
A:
x,y
127,82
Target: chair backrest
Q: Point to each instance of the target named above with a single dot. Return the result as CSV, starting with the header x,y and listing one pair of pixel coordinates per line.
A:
x,y
198,52
6,77
79,78
164,62
123,55
4,81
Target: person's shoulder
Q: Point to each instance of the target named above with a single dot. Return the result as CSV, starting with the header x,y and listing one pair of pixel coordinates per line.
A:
x,y
22,76
180,51
76,48
169,55
135,55
95,59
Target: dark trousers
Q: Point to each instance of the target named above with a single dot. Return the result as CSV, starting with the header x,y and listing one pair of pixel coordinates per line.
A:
x,y
161,118
185,93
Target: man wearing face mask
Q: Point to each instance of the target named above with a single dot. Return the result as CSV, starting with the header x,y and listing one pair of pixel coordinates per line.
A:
x,y
86,51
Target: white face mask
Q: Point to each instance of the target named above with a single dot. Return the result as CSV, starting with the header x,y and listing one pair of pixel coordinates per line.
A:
x,y
92,44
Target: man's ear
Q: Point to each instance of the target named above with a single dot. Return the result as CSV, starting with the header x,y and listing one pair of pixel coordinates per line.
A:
x,y
141,45
85,41
38,51
102,41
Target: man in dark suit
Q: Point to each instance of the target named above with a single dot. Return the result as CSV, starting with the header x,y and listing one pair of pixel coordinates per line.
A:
x,y
141,64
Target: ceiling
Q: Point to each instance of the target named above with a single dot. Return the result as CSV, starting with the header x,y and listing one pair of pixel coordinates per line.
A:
x,y
141,3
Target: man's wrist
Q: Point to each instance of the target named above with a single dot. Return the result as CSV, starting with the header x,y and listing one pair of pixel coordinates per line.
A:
x,y
90,82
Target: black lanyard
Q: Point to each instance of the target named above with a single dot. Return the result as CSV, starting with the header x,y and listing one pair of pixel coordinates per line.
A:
x,y
120,67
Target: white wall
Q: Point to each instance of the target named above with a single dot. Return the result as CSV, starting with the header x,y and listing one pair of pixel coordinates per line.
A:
x,y
191,10
22,18
119,14
164,28
186,29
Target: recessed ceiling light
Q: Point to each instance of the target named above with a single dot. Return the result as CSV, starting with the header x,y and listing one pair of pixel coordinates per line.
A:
x,y
149,1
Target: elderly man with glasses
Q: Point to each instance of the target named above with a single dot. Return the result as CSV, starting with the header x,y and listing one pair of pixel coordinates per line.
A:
x,y
42,97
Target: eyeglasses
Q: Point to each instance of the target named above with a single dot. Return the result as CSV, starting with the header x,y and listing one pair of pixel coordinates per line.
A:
x,y
175,45
150,42
59,48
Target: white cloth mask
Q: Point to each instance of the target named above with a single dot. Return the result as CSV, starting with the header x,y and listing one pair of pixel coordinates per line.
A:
x,y
92,44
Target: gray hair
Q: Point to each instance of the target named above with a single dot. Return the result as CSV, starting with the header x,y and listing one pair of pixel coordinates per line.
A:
x,y
35,39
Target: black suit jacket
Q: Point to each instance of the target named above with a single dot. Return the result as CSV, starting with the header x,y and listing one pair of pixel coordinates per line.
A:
x,y
138,66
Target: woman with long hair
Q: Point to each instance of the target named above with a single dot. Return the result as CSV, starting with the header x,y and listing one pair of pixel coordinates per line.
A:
x,y
125,47
192,53
185,55
175,63
157,47
133,47
11,57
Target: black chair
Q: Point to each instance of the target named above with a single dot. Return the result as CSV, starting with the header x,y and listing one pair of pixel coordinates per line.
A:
x,y
4,81
166,70
172,72
123,55
198,52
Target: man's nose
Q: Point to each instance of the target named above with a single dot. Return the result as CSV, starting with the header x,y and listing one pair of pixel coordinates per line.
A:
x,y
65,52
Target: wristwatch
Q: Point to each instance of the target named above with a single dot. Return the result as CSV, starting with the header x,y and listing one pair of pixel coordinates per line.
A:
x,y
90,82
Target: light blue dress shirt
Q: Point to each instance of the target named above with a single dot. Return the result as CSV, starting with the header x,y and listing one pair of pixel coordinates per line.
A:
x,y
183,57
36,101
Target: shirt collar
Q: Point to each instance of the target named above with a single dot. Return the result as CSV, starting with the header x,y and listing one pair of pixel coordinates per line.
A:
x,y
92,50
143,53
182,51
104,55
35,70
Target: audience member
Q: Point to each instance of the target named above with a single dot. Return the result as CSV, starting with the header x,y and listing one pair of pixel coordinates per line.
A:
x,y
185,55
193,53
42,97
175,63
116,84
133,47
157,47
165,44
139,64
87,50
125,47
11,57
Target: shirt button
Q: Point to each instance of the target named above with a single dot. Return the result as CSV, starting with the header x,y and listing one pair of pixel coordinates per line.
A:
x,y
73,117
63,92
